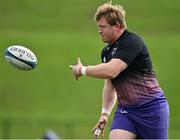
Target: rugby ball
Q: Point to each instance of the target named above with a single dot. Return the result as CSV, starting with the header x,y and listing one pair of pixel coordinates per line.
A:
x,y
21,57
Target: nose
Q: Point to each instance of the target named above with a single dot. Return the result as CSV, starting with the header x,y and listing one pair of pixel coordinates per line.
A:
x,y
100,31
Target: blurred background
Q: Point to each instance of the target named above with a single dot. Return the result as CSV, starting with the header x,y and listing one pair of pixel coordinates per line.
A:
x,y
58,31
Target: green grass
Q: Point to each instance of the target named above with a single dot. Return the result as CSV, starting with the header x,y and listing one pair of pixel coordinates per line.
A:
x,y
60,30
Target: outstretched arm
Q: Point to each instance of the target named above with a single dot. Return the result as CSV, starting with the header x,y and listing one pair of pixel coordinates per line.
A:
x,y
104,70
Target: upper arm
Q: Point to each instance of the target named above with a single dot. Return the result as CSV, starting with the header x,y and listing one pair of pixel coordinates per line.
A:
x,y
116,66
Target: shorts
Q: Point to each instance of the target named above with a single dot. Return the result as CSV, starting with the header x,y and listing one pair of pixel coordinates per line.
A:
x,y
151,124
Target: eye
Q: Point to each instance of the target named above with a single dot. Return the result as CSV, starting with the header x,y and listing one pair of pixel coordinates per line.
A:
x,y
102,26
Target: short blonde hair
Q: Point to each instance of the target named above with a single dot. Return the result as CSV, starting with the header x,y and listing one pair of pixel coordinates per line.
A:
x,y
114,14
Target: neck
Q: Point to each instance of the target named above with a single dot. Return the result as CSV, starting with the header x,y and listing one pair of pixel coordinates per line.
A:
x,y
118,34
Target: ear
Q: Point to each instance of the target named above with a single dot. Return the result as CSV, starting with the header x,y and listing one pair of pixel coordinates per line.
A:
x,y
117,27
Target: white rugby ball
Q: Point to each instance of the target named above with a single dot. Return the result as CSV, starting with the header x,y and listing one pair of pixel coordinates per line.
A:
x,y
21,57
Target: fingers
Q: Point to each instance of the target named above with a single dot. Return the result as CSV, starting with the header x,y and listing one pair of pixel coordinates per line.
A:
x,y
76,68
103,132
71,66
78,60
96,126
99,128
76,77
94,131
97,132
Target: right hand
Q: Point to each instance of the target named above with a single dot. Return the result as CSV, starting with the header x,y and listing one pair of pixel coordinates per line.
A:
x,y
101,125
76,69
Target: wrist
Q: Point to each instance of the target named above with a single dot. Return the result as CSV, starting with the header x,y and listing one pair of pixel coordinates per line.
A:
x,y
105,111
83,70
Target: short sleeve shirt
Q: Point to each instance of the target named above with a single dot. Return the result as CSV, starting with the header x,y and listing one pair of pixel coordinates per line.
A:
x,y
137,84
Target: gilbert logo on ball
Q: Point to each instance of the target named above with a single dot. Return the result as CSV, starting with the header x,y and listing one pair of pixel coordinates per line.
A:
x,y
21,57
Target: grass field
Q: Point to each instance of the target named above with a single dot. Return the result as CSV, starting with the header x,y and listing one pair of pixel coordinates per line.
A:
x,y
60,30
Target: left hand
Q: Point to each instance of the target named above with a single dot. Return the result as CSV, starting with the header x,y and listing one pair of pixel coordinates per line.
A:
x,y
100,126
76,69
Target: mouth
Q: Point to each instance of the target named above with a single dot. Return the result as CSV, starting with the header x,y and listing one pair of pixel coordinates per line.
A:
x,y
102,36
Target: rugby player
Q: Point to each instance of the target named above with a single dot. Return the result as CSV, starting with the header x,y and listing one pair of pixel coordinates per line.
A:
x,y
142,109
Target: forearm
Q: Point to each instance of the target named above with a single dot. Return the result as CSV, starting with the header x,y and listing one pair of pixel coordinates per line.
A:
x,y
109,96
99,71
106,70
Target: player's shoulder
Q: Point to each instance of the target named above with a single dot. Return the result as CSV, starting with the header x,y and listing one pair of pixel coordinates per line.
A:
x,y
133,36
134,39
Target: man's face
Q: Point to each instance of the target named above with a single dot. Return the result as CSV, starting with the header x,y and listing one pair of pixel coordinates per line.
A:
x,y
105,30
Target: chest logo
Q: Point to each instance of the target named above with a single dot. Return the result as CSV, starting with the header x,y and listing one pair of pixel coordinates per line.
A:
x,y
113,51
104,59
